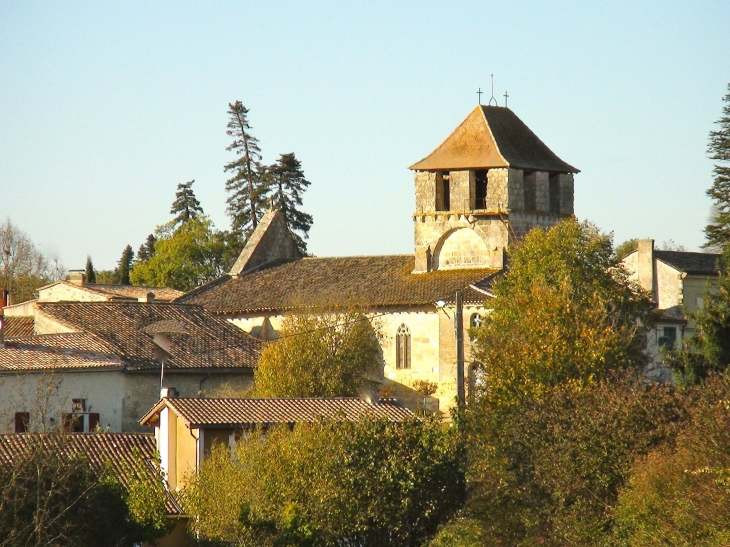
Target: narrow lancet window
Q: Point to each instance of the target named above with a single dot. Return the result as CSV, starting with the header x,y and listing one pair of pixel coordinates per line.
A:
x,y
480,189
403,347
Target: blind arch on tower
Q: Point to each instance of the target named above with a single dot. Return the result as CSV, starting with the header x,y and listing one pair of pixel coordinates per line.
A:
x,y
403,347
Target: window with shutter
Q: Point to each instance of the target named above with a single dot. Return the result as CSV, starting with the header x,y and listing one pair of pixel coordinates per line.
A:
x,y
93,421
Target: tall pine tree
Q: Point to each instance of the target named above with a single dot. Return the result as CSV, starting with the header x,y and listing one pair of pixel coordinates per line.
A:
x,y
125,265
289,184
718,230
147,249
90,273
247,187
186,206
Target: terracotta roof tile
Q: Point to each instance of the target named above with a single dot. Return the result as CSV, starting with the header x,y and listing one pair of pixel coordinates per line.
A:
x,y
119,450
18,326
15,360
334,282
240,412
133,291
210,342
79,341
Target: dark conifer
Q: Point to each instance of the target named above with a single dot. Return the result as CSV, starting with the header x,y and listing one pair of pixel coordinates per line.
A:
x,y
147,249
186,206
718,230
125,265
289,184
90,274
247,187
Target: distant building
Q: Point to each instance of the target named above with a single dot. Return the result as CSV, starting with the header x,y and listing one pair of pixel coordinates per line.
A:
x,y
99,364
677,282
483,188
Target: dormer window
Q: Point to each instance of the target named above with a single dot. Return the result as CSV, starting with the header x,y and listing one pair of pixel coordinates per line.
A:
x,y
480,189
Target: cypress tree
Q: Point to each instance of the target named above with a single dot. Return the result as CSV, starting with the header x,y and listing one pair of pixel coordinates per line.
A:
x,y
147,249
718,230
289,184
90,274
125,265
186,206
247,187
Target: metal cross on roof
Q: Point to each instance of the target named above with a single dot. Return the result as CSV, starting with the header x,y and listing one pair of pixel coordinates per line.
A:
x,y
506,96
493,99
479,94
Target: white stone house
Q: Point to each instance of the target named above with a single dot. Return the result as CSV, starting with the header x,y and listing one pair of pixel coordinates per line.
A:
x,y
677,282
483,188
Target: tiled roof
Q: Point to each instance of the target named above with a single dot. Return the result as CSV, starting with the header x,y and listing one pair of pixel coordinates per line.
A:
x,y
493,136
692,263
240,412
335,282
119,450
210,342
15,360
136,292
18,326
78,341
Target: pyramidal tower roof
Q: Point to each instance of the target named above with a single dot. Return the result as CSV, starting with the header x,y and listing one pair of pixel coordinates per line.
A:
x,y
492,136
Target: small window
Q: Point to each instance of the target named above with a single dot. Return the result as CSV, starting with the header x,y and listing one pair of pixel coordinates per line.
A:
x,y
554,193
668,338
528,184
403,347
480,189
475,320
78,405
22,422
445,196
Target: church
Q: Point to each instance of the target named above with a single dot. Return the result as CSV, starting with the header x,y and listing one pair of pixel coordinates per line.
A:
x,y
482,189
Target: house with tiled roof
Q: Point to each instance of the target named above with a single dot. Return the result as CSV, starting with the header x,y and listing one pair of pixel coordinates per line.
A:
x,y
187,429
102,363
677,282
121,452
483,188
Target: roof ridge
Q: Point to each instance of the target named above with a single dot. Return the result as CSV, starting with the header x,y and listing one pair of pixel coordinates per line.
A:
x,y
491,134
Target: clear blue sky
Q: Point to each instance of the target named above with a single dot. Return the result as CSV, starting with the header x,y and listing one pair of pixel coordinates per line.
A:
x,y
106,106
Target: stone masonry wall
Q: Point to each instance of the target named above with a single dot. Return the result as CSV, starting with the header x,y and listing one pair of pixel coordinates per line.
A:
x,y
425,183
567,194
462,190
497,188
542,191
461,248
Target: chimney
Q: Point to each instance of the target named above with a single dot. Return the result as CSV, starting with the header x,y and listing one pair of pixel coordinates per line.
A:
x,y
370,392
168,393
645,265
148,298
76,277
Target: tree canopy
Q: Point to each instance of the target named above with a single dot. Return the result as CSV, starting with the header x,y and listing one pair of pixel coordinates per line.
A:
x,y
289,184
718,229
247,188
186,206
124,266
319,355
565,311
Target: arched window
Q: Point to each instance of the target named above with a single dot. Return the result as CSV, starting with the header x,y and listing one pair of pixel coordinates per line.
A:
x,y
403,347
475,320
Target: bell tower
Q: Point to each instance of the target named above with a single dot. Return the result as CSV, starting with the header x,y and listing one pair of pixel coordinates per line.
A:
x,y
488,184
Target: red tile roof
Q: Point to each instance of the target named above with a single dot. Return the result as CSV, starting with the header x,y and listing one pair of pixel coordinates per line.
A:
x,y
79,341
372,281
241,412
16,360
119,450
16,325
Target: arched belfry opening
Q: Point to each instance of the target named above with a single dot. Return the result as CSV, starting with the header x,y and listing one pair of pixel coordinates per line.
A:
x,y
494,177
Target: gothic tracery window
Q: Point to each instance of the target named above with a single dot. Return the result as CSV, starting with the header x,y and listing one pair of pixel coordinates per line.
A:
x,y
403,347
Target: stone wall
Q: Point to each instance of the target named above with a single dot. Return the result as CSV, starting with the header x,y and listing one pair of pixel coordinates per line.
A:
x,y
567,193
542,192
426,190
66,292
515,189
497,189
462,190
461,248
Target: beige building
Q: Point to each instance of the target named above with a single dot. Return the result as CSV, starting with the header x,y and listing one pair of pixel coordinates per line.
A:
x,y
100,364
677,282
483,188
187,429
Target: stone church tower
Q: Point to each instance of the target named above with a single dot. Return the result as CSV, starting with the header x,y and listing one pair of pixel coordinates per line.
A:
x,y
485,186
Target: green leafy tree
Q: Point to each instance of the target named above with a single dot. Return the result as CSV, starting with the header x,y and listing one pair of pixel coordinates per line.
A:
x,y
718,230
367,483
124,266
549,471
186,206
319,355
147,249
627,247
680,493
184,257
564,312
708,349
289,185
247,187
90,273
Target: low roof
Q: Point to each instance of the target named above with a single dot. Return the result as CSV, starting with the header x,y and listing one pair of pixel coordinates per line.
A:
x,y
692,263
334,282
245,412
119,450
119,328
493,136
78,341
131,292
18,325
28,360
